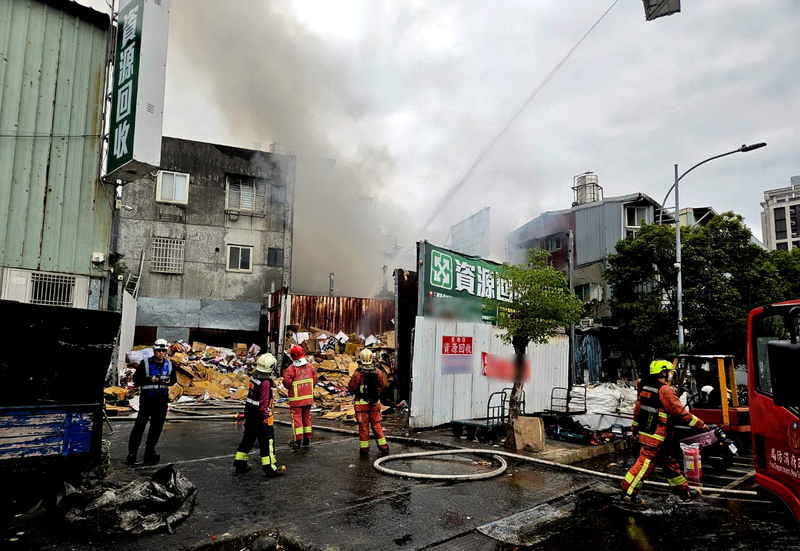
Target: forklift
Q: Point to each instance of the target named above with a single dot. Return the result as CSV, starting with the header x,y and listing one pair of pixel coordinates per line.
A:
x,y
713,394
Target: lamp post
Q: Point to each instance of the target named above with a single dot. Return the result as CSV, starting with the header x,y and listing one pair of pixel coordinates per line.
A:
x,y
679,288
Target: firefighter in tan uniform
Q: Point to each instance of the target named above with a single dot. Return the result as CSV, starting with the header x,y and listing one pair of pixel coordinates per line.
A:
x,y
657,409
366,385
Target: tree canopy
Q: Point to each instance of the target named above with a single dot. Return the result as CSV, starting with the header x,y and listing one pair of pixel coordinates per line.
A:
x,y
725,274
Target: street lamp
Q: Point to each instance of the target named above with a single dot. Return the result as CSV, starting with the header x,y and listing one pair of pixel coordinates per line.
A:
x,y
679,290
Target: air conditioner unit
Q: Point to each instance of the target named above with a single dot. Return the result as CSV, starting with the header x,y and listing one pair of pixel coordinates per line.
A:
x,y
586,322
49,288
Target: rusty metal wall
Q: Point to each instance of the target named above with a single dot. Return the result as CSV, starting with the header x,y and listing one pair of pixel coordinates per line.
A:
x,y
362,316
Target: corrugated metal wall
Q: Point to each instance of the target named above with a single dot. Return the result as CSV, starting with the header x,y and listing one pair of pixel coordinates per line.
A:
x,y
362,316
437,399
53,210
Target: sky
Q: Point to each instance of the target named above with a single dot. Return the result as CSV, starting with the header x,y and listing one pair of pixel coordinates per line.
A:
x,y
434,110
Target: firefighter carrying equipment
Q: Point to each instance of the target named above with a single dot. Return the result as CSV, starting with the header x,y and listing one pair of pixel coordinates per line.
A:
x,y
368,392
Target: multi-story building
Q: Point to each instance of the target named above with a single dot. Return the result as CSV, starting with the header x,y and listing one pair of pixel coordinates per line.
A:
x,y
212,232
780,219
55,213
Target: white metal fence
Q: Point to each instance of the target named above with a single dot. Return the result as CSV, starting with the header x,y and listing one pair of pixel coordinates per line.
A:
x,y
438,398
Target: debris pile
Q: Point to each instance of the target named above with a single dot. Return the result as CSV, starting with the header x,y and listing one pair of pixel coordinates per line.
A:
x,y
141,506
218,377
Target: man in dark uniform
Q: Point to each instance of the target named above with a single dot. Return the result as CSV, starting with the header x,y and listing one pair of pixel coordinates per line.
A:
x,y
154,376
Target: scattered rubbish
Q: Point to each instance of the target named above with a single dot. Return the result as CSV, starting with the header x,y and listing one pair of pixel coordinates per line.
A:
x,y
161,502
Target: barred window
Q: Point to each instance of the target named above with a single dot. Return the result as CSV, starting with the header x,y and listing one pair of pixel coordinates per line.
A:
x,y
52,289
167,255
239,258
246,195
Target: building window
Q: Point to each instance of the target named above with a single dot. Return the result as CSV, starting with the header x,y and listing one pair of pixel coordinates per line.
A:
x,y
246,195
172,187
239,258
552,243
635,216
584,292
782,246
275,257
167,255
277,194
794,211
779,215
52,289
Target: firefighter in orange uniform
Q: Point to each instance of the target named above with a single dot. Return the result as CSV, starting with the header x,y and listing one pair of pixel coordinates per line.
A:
x,y
300,379
366,385
656,411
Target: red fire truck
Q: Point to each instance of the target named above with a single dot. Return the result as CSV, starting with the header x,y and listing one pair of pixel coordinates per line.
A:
x,y
773,371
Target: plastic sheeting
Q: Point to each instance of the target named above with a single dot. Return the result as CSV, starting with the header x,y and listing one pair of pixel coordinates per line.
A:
x,y
136,508
606,404
588,358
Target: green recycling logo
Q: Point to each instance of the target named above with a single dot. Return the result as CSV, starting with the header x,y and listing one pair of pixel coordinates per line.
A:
x,y
441,270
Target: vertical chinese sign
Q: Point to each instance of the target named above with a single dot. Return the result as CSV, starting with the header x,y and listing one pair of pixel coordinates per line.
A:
x,y
137,89
456,355
125,88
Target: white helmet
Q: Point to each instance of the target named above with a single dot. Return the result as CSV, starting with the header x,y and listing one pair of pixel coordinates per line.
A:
x,y
266,363
161,344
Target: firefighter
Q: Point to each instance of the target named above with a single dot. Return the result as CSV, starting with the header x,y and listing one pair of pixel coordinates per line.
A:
x,y
657,409
300,379
258,420
366,385
153,376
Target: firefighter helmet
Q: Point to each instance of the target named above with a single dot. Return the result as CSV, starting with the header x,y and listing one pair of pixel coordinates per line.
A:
x,y
266,363
657,366
296,352
160,344
365,356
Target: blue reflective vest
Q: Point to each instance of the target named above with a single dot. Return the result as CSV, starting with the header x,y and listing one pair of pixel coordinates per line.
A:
x,y
160,388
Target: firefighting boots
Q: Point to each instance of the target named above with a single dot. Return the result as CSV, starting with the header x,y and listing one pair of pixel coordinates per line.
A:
x,y
306,441
150,456
690,495
363,452
634,499
294,443
242,466
271,472
383,450
131,459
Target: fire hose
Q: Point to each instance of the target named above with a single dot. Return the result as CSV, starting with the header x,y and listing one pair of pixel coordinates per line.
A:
x,y
497,455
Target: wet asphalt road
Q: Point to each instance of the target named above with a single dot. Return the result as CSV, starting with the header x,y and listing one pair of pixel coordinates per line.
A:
x,y
332,499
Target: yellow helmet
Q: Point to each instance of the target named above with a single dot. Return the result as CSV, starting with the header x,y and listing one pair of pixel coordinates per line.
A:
x,y
365,356
657,366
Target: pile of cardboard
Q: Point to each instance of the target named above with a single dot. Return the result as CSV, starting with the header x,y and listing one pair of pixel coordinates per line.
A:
x,y
214,374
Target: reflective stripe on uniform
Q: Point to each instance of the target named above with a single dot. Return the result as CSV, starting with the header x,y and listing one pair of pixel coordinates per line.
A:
x,y
363,443
636,481
296,384
653,436
382,441
254,402
241,456
151,387
694,420
677,481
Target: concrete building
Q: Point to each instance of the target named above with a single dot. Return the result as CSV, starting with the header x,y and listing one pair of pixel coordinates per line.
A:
x,y
780,217
55,213
208,236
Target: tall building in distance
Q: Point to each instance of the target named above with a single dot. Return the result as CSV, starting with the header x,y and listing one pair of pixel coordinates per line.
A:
x,y
779,219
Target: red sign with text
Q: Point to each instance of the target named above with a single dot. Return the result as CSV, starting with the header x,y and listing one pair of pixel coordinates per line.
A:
x,y
456,355
456,345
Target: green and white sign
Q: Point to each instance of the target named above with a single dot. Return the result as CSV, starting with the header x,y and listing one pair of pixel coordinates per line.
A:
x,y
459,286
126,85
137,95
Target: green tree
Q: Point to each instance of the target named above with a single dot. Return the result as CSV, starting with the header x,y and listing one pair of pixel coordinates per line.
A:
x,y
725,275
541,306
787,263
